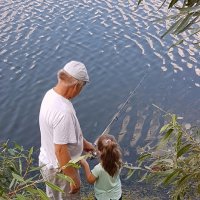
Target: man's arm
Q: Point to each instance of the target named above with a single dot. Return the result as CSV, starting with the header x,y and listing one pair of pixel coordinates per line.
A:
x,y
87,146
63,157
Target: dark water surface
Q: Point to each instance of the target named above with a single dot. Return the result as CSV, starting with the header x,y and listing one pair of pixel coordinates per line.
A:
x,y
117,43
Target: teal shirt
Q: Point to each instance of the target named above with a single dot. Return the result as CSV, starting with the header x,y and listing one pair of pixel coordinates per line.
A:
x,y
106,187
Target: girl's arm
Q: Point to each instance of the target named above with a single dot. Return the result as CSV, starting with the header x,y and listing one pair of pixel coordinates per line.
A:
x,y
89,176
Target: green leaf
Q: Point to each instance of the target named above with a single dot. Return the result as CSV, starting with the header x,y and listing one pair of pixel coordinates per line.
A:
x,y
195,32
17,177
129,166
74,161
64,177
184,150
174,119
143,157
176,43
164,128
5,144
143,177
171,176
71,164
28,180
31,190
42,194
11,152
130,173
165,160
17,146
183,24
198,188
167,135
139,1
189,25
172,3
2,198
12,183
172,28
190,3
30,152
183,180
20,197
54,187
20,166
147,167
32,169
190,9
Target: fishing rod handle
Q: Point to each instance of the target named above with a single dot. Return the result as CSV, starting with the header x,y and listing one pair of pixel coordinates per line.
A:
x,y
94,152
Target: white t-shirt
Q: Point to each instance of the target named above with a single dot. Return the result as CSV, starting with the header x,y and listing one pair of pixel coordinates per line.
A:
x,y
58,125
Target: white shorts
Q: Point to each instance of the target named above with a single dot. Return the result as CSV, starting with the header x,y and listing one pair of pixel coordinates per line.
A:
x,y
50,176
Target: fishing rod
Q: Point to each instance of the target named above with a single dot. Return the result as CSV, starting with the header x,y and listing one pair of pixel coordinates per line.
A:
x,y
93,154
116,115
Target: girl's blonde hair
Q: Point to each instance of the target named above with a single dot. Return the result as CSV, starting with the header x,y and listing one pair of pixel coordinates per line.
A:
x,y
110,154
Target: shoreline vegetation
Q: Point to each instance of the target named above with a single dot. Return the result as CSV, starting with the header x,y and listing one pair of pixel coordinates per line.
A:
x,y
171,166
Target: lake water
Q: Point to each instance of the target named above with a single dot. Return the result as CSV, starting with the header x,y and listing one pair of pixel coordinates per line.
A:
x,y
117,43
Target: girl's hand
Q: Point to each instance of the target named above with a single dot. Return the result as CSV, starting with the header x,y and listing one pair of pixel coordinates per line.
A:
x,y
83,162
89,176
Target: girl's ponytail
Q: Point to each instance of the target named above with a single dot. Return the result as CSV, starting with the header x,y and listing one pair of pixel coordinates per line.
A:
x,y
110,154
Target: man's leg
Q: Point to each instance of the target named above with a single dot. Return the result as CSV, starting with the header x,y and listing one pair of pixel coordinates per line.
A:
x,y
50,176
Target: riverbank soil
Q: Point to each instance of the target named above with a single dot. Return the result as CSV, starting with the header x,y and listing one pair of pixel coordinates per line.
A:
x,y
132,191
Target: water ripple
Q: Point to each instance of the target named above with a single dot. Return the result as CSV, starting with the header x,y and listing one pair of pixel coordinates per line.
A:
x,y
115,39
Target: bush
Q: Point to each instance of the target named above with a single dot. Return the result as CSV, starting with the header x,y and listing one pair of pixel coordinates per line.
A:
x,y
19,177
175,161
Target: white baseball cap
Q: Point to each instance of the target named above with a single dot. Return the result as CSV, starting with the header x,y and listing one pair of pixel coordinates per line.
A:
x,y
77,70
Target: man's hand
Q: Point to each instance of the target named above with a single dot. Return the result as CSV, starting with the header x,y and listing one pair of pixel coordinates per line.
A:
x,y
88,146
75,187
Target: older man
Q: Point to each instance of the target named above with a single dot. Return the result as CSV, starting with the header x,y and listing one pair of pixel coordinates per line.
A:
x,y
61,135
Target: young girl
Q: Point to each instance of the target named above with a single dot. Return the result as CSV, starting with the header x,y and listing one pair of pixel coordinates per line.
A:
x,y
105,175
